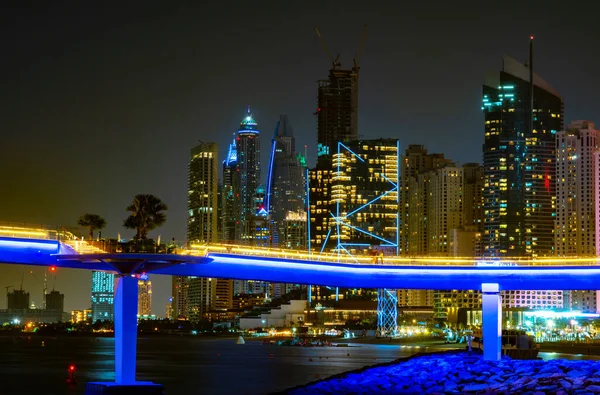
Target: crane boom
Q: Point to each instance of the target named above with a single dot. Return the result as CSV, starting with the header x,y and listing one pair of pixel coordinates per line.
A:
x,y
335,62
361,47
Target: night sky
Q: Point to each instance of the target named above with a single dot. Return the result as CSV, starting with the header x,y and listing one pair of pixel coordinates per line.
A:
x,y
101,103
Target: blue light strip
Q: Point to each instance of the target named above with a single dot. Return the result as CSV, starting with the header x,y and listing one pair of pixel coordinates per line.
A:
x,y
365,232
325,242
337,205
371,202
349,150
348,252
390,181
398,198
307,182
270,177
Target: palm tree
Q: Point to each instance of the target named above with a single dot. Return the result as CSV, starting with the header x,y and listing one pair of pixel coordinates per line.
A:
x,y
146,214
92,222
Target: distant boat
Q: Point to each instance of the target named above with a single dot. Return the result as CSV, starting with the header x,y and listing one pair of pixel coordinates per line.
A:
x,y
240,340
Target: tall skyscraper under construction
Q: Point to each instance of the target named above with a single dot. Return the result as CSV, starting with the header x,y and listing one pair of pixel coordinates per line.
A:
x,y
337,122
522,116
337,111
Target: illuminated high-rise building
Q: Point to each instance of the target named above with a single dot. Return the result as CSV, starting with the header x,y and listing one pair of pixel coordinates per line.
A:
x,y
416,168
201,296
179,304
144,295
337,121
522,115
202,194
358,207
286,184
230,197
578,201
203,205
577,169
103,296
248,162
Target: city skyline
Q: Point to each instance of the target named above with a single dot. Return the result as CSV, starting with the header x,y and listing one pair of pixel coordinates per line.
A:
x,y
165,174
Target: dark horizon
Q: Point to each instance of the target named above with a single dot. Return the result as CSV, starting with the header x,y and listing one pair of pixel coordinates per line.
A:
x,y
103,103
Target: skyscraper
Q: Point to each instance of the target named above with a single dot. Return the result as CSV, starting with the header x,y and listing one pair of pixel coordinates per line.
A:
x,y
286,188
358,206
337,121
416,165
103,296
202,194
248,161
17,300
577,169
179,304
337,111
578,201
522,115
201,296
230,197
144,295
54,300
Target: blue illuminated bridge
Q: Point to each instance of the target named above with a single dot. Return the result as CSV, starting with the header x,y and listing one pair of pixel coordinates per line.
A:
x,y
245,263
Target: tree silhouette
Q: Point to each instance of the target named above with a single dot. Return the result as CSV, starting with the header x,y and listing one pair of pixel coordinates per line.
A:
x,y
146,214
92,222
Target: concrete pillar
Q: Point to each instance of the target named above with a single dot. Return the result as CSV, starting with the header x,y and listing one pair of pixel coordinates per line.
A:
x,y
492,321
126,304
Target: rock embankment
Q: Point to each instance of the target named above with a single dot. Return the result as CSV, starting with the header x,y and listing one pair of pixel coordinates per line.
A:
x,y
460,373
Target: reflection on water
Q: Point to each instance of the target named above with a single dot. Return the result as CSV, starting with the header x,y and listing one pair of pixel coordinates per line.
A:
x,y
186,365
576,357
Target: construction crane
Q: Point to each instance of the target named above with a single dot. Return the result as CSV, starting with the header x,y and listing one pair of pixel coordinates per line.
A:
x,y
334,62
361,49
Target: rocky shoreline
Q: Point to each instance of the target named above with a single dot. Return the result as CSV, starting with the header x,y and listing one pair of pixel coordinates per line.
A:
x,y
461,373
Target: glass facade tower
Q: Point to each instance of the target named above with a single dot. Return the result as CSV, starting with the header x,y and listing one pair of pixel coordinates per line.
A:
x,y
286,190
103,296
248,162
519,158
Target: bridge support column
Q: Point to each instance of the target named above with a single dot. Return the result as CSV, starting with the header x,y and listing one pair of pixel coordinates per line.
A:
x,y
126,304
492,321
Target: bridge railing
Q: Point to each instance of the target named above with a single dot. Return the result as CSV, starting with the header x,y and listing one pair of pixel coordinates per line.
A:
x,y
29,231
22,230
207,249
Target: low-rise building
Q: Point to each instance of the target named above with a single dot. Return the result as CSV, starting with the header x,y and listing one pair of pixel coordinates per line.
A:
x,y
286,315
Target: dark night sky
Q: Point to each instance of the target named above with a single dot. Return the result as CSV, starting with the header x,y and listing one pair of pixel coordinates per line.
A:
x,y
101,103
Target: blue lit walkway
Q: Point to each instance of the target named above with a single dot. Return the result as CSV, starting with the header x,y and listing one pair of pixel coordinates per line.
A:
x,y
491,280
